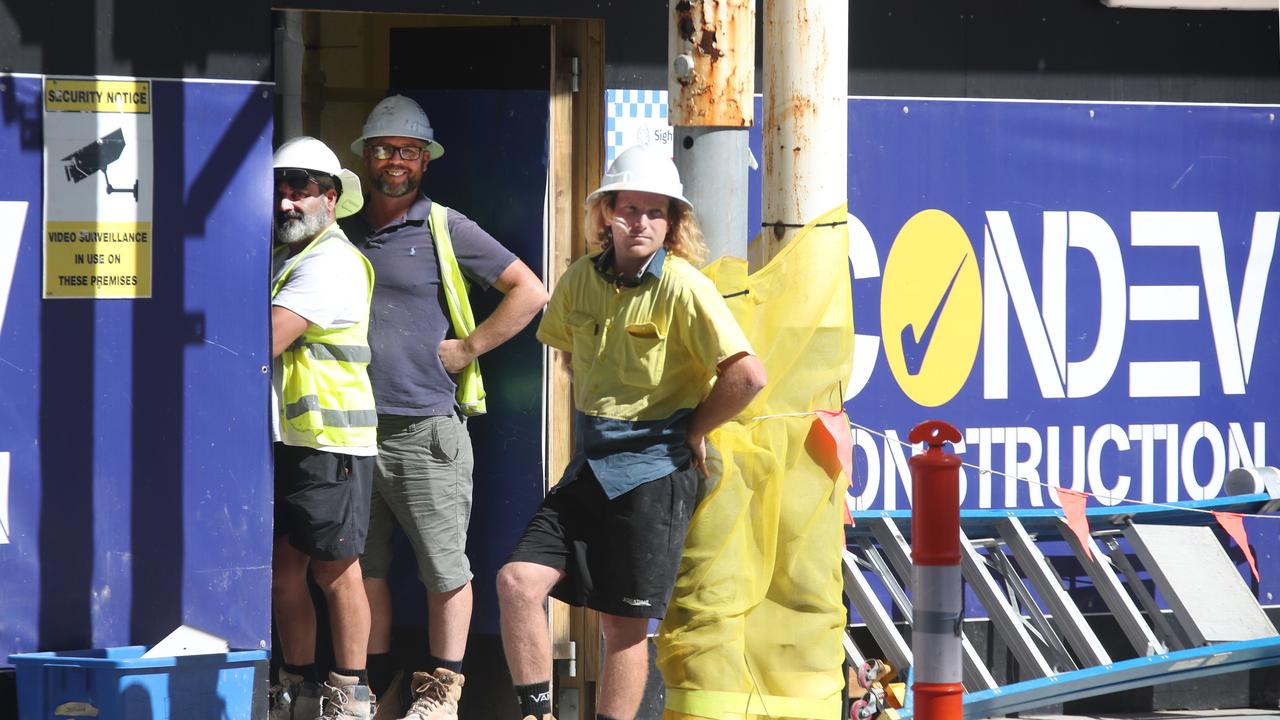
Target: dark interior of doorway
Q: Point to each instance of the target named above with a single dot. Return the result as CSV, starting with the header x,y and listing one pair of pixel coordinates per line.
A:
x,y
486,90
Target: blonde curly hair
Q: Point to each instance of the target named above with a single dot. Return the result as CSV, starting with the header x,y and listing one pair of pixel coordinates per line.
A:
x,y
684,235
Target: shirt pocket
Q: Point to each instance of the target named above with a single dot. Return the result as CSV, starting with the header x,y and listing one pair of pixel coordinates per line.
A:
x,y
643,354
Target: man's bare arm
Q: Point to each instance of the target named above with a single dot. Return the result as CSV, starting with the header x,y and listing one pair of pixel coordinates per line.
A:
x,y
524,294
741,378
286,326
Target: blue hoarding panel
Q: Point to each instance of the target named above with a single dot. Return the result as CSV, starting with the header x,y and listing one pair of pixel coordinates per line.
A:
x,y
20,263
1084,289
138,485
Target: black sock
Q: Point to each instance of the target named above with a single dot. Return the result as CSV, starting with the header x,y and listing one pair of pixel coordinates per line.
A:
x,y
306,672
535,699
362,675
450,665
380,672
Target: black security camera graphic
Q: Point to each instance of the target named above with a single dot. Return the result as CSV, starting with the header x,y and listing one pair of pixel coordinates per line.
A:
x,y
95,157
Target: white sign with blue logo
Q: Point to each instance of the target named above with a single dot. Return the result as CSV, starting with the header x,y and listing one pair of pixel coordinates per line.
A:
x,y
636,117
1080,287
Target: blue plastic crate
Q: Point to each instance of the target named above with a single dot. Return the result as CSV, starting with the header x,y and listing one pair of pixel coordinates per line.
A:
x,y
119,684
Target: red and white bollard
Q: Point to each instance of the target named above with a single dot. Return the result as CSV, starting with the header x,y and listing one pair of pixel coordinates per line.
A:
x,y
937,692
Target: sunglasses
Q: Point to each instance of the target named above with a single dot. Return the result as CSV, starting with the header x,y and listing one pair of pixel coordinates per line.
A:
x,y
296,179
386,152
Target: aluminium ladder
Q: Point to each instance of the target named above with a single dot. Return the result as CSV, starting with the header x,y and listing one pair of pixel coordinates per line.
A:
x,y
1057,652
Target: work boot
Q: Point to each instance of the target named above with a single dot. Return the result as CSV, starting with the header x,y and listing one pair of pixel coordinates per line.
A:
x,y
293,698
435,695
345,698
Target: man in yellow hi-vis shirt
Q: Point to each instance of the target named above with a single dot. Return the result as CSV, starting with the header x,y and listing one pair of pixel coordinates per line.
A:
x,y
325,427
658,362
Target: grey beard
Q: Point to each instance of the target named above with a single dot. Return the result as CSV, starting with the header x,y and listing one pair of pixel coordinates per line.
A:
x,y
410,185
288,231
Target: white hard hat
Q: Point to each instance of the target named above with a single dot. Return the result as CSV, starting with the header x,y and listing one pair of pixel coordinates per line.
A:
x,y
643,168
398,116
308,153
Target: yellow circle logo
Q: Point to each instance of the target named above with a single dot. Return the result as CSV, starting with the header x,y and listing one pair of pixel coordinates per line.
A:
x,y
931,307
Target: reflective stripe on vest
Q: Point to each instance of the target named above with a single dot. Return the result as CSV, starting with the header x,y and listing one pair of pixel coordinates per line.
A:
x,y
327,399
470,395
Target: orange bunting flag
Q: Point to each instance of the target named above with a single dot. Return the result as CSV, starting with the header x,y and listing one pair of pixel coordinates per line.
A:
x,y
836,423
1233,523
1073,508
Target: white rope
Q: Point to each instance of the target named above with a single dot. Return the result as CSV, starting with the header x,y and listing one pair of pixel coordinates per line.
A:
x,y
989,471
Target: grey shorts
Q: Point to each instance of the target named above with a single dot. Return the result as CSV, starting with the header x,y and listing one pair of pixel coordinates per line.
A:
x,y
423,483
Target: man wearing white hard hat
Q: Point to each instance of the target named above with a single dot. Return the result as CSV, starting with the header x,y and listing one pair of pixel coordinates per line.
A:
x,y
325,431
426,379
658,362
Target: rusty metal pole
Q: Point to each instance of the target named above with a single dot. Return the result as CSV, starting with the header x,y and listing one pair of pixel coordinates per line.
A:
x,y
711,46
806,117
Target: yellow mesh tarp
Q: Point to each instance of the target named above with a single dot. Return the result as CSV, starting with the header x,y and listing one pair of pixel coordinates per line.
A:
x,y
755,626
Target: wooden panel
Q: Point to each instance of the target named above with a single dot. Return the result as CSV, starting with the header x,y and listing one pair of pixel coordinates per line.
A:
x,y
559,250
576,158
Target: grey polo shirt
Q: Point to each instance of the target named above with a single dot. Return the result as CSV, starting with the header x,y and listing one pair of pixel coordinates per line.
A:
x,y
410,317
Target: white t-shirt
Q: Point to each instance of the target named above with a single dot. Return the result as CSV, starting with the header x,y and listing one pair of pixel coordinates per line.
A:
x,y
329,288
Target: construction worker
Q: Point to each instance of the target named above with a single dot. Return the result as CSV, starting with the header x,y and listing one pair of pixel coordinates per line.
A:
x,y
658,362
325,431
427,381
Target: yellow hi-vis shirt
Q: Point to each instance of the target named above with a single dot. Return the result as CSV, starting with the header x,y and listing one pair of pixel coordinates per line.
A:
x,y
326,399
470,393
641,353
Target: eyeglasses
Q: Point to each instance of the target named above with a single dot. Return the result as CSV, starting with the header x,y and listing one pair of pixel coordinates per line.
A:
x,y
386,152
296,178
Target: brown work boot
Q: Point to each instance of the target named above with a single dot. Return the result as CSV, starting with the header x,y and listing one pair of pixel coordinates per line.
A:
x,y
292,698
344,698
435,695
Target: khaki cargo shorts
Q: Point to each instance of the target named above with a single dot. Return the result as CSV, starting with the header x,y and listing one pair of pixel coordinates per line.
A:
x,y
423,484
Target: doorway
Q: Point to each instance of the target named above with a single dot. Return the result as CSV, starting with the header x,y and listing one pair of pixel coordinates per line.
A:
x,y
518,105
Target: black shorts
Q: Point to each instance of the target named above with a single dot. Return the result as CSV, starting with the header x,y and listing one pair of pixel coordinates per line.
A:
x,y
620,556
322,500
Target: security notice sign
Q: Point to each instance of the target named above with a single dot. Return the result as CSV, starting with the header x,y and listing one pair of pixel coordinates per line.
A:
x,y
97,188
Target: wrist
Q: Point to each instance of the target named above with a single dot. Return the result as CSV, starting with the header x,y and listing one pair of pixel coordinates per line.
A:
x,y
468,348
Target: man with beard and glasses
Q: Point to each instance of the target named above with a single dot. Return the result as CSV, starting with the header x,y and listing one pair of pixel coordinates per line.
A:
x,y
325,431
427,382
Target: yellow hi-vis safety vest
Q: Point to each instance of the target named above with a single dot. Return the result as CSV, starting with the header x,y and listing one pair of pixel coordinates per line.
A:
x,y
327,400
470,395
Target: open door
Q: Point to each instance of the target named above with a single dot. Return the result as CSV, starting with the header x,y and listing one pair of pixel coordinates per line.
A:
x,y
518,105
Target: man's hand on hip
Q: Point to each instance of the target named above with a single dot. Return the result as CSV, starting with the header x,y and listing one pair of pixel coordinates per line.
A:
x,y
698,444
455,355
